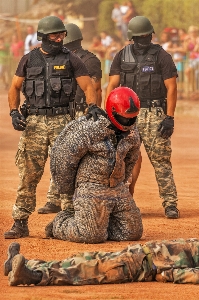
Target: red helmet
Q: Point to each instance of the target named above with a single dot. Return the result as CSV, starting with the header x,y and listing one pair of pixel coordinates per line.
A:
x,y
122,107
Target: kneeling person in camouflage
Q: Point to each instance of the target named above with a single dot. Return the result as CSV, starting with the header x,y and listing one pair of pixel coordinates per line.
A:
x,y
174,261
91,162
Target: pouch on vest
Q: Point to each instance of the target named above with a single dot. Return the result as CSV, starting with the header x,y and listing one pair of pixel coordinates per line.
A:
x,y
144,86
67,86
155,85
127,77
33,72
39,88
55,84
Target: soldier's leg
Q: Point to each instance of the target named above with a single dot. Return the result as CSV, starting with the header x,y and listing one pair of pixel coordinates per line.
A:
x,y
81,269
30,159
125,220
92,204
159,153
54,199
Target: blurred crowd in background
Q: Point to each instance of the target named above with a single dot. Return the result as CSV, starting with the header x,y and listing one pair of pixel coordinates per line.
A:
x,y
182,44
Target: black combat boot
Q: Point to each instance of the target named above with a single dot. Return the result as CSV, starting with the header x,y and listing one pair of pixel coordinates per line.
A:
x,y
49,208
49,230
13,250
20,274
171,212
18,230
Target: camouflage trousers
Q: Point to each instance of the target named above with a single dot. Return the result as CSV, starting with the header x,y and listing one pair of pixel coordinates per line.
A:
x,y
33,150
178,260
159,152
100,213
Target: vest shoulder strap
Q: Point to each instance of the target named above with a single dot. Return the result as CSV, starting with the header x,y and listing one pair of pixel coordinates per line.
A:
x,y
127,55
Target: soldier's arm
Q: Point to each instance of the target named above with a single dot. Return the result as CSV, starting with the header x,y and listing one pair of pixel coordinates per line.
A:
x,y
14,92
114,82
171,87
86,85
97,86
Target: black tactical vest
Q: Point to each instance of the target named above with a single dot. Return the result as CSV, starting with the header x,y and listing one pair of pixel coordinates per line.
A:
x,y
49,81
141,73
80,97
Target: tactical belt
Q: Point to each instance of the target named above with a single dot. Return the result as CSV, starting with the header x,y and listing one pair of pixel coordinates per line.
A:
x,y
48,111
151,103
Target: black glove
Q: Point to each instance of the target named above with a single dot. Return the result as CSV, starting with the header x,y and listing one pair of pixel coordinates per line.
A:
x,y
166,127
18,121
94,111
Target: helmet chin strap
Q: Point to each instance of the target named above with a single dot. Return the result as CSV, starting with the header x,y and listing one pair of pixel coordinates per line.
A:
x,y
51,47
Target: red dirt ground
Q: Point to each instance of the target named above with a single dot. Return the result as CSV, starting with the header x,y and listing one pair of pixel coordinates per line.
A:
x,y
185,159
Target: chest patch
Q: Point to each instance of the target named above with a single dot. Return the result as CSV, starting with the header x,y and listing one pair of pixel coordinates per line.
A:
x,y
62,67
148,69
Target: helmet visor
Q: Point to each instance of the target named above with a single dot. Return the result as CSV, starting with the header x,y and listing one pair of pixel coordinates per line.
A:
x,y
55,36
124,121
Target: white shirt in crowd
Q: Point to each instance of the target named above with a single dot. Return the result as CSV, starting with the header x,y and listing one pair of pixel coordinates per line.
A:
x,y
30,41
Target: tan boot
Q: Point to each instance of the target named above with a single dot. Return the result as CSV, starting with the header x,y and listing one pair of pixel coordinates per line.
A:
x,y
20,274
13,250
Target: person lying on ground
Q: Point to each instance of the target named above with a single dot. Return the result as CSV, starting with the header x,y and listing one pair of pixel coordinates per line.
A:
x,y
174,261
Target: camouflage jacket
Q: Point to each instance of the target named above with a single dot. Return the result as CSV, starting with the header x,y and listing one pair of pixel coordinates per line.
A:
x,y
88,151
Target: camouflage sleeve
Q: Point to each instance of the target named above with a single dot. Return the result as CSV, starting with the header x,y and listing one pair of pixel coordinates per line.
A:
x,y
70,146
133,154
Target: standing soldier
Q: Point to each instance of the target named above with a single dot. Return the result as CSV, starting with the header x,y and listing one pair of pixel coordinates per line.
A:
x,y
73,42
47,76
151,73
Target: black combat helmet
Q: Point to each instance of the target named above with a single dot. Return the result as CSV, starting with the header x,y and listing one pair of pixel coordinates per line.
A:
x,y
138,26
73,33
50,24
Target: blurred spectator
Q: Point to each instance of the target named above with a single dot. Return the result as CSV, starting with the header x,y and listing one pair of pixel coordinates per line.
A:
x,y
16,47
16,52
191,39
191,46
127,16
115,46
105,38
4,62
182,35
178,54
124,7
31,40
117,19
97,48
165,40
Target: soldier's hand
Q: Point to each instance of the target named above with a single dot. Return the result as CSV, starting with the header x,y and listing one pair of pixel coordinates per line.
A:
x,y
166,127
94,111
18,121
